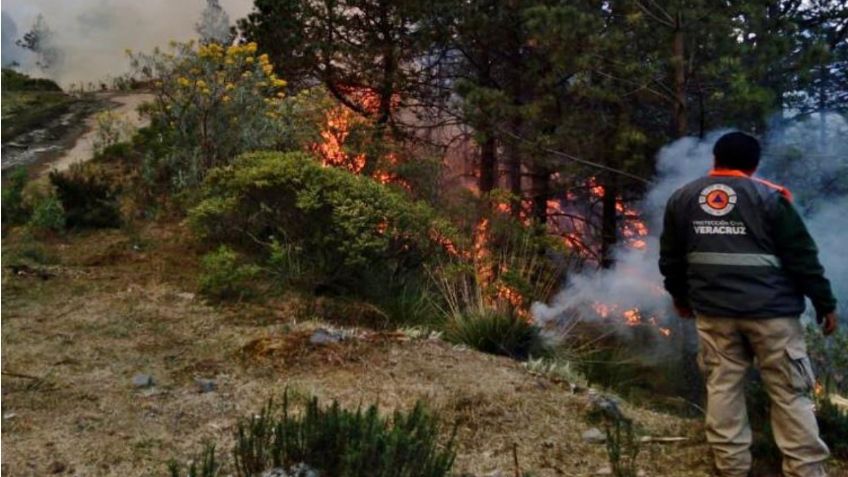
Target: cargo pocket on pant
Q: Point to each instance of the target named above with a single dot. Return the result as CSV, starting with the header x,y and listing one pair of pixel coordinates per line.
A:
x,y
800,370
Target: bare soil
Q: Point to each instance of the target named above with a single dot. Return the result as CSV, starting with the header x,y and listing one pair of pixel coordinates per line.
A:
x,y
104,306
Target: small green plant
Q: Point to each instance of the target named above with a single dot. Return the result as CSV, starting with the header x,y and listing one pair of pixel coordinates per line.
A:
x,y
475,316
88,195
33,251
209,467
14,210
287,262
110,128
225,276
47,215
622,447
336,442
557,368
497,332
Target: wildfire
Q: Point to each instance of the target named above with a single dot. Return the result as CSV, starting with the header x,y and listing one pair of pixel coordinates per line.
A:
x,y
337,127
338,122
603,310
577,227
631,317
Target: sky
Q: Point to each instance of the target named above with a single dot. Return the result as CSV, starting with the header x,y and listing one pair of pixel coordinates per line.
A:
x,y
95,34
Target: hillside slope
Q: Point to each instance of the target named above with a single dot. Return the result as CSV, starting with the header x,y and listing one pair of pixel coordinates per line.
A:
x,y
107,306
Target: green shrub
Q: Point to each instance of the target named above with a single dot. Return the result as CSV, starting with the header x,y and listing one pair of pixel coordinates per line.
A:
x,y
88,195
348,230
14,209
213,102
496,332
15,81
224,275
209,467
339,443
47,215
829,356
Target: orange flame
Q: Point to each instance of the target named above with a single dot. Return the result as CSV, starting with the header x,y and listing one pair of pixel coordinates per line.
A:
x,y
338,122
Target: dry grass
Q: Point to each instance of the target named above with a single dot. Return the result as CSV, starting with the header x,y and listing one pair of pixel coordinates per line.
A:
x,y
119,305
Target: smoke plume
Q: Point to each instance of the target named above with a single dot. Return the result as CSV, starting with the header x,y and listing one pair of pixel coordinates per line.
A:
x,y
810,161
12,53
93,35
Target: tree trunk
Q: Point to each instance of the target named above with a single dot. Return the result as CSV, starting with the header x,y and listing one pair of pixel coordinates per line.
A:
x,y
541,193
609,220
488,171
513,157
822,107
488,164
678,61
387,87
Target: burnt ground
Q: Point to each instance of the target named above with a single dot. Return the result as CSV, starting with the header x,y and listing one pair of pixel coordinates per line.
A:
x,y
100,307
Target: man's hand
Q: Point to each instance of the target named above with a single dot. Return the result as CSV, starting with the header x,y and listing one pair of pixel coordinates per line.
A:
x,y
829,323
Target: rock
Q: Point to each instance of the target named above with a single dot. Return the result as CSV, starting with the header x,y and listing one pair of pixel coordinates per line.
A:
x,y
606,406
187,296
206,385
324,337
142,380
299,470
604,471
56,467
302,470
594,436
278,472
496,473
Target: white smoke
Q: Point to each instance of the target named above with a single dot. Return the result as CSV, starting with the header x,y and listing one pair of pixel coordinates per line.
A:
x,y
634,282
811,158
12,53
93,35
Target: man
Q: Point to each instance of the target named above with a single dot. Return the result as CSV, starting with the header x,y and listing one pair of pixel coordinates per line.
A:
x,y
736,255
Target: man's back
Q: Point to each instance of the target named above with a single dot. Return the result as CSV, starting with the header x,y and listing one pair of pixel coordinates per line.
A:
x,y
734,246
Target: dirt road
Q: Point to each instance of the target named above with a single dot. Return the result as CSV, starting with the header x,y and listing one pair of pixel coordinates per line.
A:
x,y
83,148
69,137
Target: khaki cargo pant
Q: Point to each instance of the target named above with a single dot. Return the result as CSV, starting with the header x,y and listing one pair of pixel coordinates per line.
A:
x,y
728,347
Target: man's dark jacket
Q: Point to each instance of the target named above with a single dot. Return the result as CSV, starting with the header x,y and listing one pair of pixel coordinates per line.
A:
x,y
734,246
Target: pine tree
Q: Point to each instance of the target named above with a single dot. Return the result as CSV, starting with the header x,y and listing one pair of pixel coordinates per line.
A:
x,y
41,40
214,24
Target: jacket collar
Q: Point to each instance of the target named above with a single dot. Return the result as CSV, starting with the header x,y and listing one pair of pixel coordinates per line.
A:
x,y
728,173
737,173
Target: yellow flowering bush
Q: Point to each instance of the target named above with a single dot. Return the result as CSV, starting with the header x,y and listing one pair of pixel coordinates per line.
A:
x,y
213,102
